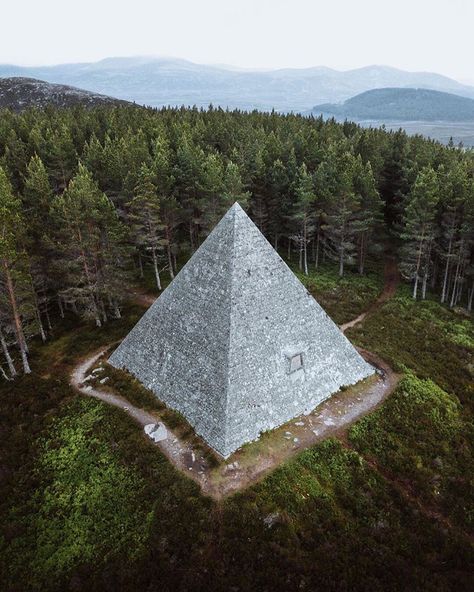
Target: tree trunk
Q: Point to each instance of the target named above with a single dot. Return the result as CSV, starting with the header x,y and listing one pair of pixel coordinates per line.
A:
x,y
89,283
140,264
155,266
6,353
305,248
4,374
48,319
362,254
470,297
418,264
16,320
61,308
426,272
40,325
317,250
191,238
456,278
446,273
168,250
415,287
341,261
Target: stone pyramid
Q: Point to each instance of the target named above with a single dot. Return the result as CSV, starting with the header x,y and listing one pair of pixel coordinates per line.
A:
x,y
236,343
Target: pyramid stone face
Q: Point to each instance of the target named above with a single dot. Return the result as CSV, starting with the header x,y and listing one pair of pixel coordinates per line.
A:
x,y
236,343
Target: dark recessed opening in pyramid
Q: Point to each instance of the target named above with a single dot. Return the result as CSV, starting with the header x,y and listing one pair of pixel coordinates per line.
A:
x,y
236,343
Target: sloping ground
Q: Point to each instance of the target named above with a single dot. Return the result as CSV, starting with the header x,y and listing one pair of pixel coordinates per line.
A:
x,y
89,504
403,104
21,93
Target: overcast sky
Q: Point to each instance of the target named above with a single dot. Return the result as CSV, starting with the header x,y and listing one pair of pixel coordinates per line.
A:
x,y
434,35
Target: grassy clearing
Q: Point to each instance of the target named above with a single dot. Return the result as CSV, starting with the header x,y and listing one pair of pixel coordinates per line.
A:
x,y
421,436
342,298
97,496
87,503
327,520
434,342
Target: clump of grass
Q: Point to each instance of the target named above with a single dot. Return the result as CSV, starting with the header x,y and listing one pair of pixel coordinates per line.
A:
x,y
342,298
424,337
421,435
129,387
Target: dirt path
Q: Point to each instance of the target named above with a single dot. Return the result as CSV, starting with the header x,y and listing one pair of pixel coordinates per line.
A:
x,y
172,447
391,281
251,463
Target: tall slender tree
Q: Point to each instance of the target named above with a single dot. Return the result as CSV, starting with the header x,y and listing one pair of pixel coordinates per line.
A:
x,y
12,258
144,217
419,229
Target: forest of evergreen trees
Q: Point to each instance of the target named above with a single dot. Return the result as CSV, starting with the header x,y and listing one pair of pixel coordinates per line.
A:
x,y
89,198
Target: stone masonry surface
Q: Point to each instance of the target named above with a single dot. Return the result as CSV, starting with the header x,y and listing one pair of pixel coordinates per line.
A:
x,y
222,342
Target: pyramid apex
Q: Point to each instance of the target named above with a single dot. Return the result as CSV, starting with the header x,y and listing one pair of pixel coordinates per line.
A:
x,y
236,207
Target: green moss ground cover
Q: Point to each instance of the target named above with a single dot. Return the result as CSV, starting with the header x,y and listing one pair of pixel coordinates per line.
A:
x,y
425,337
342,298
86,503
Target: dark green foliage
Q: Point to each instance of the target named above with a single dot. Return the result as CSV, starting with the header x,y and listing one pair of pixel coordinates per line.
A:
x,y
87,503
403,104
327,520
426,337
342,298
421,436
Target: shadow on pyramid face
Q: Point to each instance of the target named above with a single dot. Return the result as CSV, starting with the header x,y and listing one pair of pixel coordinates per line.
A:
x,y
236,343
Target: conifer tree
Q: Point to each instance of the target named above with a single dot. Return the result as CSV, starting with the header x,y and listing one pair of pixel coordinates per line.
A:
x,y
369,216
303,215
37,199
144,218
92,253
419,229
342,209
12,257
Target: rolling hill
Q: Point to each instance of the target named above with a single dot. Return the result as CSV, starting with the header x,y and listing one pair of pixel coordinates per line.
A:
x,y
19,93
169,81
402,104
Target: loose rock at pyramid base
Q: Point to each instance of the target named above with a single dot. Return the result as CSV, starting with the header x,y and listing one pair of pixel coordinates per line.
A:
x,y
236,343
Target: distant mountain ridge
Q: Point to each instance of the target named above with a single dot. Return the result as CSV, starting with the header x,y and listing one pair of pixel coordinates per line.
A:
x,y
402,104
18,93
170,81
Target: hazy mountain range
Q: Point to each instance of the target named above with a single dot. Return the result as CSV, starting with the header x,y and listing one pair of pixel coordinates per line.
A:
x,y
168,81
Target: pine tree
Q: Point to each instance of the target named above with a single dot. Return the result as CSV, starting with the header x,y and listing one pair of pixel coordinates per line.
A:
x,y
144,218
303,215
369,217
12,257
342,210
419,229
37,199
170,211
92,252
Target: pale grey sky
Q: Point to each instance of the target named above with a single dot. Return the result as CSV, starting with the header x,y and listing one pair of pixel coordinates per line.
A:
x,y
434,35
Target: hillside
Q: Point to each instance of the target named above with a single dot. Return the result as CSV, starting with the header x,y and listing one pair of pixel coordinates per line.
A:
x,y
100,210
19,93
403,104
169,81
